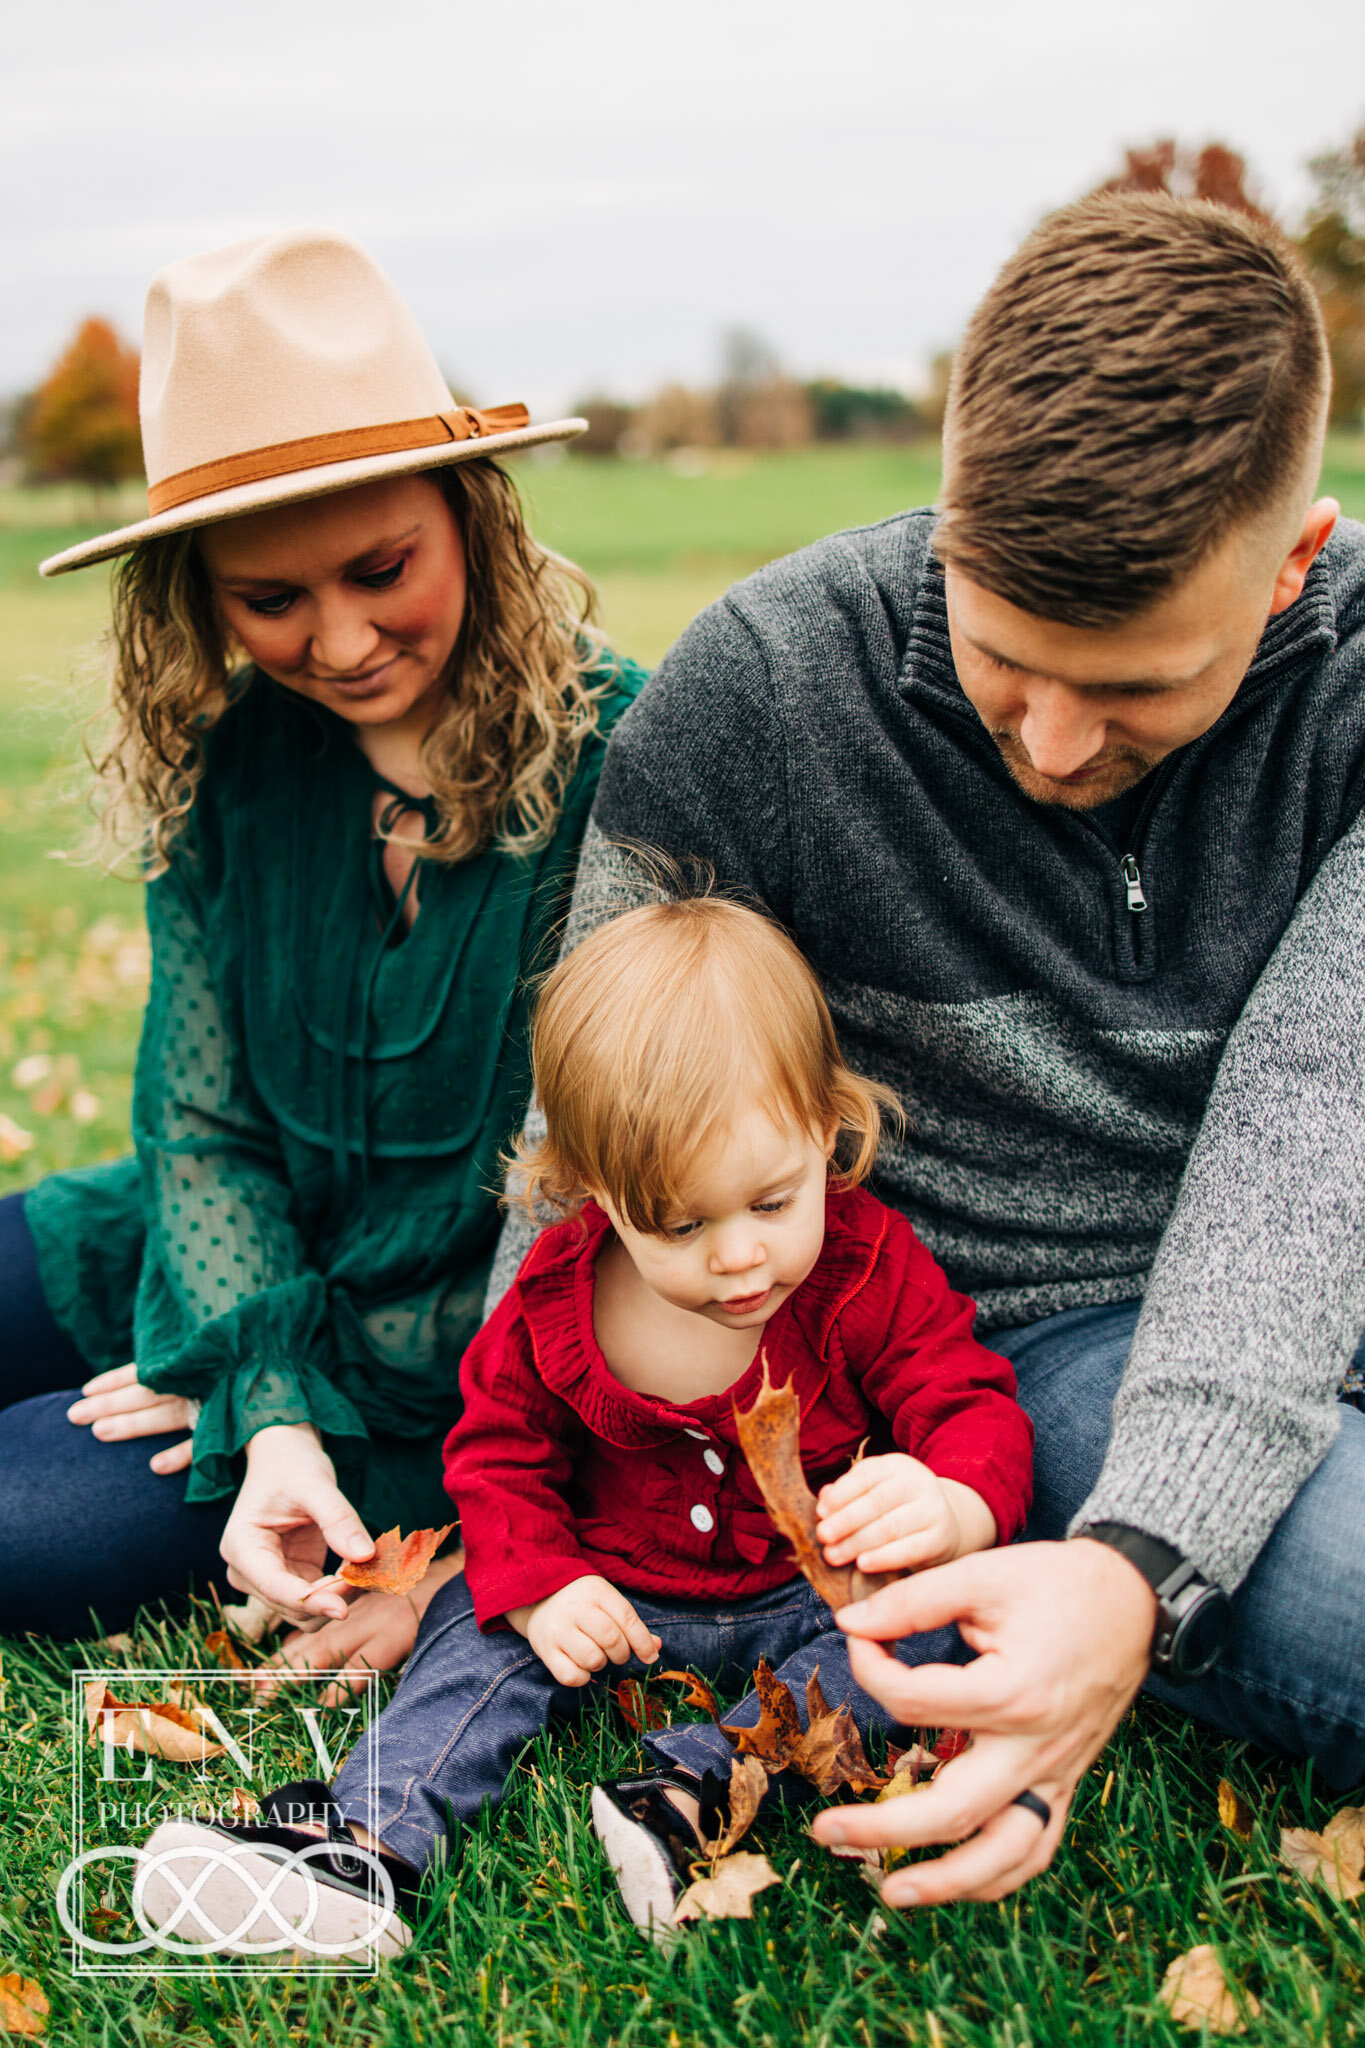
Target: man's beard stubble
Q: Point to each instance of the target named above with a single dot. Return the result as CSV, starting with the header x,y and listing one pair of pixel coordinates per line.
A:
x,y
1118,769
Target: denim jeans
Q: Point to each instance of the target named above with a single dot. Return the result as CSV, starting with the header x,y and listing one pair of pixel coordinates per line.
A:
x,y
469,1703
88,1531
1292,1678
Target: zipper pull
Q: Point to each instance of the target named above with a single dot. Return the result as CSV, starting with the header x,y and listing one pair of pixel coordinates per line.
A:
x,y
1128,868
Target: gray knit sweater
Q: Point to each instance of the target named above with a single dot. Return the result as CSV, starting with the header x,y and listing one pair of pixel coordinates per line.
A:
x,y
1104,1102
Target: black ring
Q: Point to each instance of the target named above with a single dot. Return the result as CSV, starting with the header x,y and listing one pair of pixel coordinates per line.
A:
x,y
1031,1803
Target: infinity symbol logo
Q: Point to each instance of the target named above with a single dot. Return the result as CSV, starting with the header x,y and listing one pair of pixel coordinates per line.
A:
x,y
237,1865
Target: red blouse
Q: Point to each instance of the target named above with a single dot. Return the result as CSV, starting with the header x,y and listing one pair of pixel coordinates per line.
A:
x,y
558,1470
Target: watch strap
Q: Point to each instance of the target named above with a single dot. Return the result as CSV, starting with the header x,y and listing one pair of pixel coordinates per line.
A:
x,y
1159,1563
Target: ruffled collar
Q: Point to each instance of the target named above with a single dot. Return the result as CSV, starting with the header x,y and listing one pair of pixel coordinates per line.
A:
x,y
556,1289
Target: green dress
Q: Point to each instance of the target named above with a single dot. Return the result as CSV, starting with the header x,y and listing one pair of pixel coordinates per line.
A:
x,y
321,1097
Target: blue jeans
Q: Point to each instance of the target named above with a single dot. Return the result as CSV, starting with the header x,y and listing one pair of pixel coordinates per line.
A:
x,y
469,1703
88,1532
1292,1678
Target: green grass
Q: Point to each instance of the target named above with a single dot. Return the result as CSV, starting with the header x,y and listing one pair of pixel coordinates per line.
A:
x,y
526,1943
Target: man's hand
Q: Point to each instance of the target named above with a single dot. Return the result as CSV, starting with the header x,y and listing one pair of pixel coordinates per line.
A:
x,y
289,1514
583,1626
1064,1632
893,1514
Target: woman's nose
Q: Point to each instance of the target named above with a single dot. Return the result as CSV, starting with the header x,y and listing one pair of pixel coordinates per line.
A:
x,y
344,638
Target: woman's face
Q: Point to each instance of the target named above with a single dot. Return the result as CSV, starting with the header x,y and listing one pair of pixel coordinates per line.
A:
x,y
355,601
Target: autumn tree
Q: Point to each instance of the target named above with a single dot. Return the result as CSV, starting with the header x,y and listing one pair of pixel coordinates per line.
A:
x,y
82,420
1215,173
1333,246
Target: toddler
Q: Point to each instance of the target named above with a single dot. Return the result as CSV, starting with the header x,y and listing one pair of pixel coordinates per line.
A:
x,y
706,1147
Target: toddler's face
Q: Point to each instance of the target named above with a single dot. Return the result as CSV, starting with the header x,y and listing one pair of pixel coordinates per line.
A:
x,y
752,1230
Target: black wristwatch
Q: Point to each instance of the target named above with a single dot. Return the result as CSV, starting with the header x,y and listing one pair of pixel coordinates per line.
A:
x,y
1193,1618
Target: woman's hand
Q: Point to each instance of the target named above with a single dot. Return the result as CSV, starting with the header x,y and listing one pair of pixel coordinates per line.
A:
x,y
1064,1632
893,1514
289,1513
114,1406
377,1635
578,1629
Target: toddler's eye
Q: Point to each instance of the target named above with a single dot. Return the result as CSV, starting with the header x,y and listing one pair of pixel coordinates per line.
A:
x,y
772,1208
381,579
679,1231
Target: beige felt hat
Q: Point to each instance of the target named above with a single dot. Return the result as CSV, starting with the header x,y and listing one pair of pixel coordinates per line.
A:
x,y
288,367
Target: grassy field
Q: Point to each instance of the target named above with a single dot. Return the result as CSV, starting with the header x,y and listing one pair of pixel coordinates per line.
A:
x,y
524,1943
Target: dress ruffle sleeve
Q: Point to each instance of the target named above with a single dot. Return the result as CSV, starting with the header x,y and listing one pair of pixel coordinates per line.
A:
x,y
230,1310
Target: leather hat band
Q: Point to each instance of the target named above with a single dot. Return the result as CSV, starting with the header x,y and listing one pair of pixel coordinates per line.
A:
x,y
283,458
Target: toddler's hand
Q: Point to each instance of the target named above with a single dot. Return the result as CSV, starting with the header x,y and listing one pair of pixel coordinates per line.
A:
x,y
893,1514
583,1626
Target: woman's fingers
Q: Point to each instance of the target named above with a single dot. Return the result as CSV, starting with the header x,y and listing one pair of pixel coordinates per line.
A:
x,y
174,1459
117,1376
340,1524
154,1419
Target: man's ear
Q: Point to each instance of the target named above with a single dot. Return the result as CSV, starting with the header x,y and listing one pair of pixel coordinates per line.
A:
x,y
1318,522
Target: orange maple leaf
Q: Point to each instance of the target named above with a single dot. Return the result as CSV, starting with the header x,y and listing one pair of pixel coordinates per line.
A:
x,y
399,1562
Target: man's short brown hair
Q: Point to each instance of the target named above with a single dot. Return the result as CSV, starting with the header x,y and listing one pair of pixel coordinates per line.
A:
x,y
1142,377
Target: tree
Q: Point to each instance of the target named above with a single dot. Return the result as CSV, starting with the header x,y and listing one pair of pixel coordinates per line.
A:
x,y
854,412
1333,247
1214,172
82,421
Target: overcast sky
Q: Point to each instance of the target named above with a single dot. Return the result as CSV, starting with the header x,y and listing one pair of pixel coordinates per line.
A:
x,y
583,194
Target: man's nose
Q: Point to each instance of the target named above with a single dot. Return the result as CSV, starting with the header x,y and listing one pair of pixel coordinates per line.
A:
x,y
1059,731
344,640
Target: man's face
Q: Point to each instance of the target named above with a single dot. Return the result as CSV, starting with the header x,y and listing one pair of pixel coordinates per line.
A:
x,y
1080,714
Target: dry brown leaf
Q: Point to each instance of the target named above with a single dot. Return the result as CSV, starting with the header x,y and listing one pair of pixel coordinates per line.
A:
x,y
770,1438
1233,1811
399,1562
906,1778
853,1852
778,1735
748,1783
115,1644
153,1727
1197,1993
951,1743
916,1758
700,1693
253,1619
831,1756
245,1805
221,1646
727,1895
640,1708
23,2005
14,1142
1335,1858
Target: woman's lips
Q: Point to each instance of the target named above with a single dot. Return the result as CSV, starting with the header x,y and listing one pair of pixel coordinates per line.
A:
x,y
744,1304
360,686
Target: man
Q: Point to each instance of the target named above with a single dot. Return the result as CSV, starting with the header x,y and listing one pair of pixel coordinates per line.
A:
x,y
1061,793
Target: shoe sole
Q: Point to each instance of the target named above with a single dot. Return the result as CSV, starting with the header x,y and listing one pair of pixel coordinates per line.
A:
x,y
228,1899
649,1888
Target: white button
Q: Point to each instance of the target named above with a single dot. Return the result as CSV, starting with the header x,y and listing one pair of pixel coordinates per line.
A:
x,y
713,1461
703,1519
699,1434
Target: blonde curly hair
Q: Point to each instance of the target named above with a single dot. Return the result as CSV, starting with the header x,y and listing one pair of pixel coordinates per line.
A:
x,y
521,702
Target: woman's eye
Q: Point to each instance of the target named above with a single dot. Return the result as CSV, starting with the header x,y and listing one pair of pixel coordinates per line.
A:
x,y
381,579
270,607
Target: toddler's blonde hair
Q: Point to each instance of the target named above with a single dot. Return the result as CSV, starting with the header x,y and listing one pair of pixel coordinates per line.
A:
x,y
650,1037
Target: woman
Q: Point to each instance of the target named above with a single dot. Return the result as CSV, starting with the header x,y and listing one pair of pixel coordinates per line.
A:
x,y
359,722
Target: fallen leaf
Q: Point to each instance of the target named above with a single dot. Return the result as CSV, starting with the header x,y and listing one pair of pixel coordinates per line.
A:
x,y
399,1562
831,1754
1335,1858
727,1894
951,1743
84,1106
853,1852
770,1438
23,2005
904,1779
245,1805
1233,1811
778,1734
1197,1993
48,1099
221,1647
748,1783
115,1644
916,1758
700,1693
14,1141
153,1727
640,1708
253,1619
